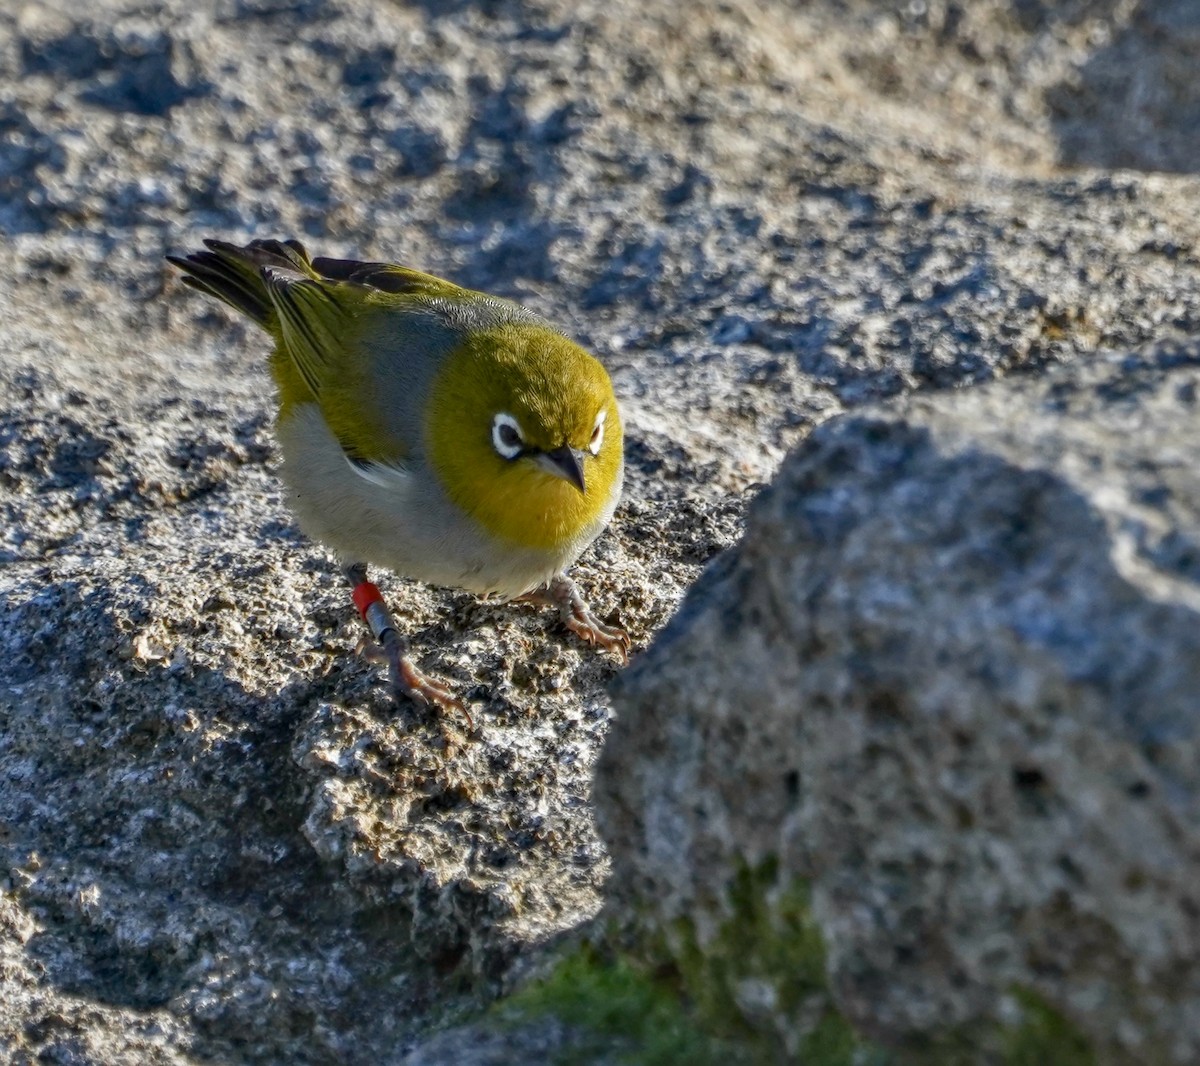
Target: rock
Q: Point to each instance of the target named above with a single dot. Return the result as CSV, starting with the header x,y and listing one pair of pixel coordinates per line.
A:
x,y
758,214
945,695
140,72
1142,79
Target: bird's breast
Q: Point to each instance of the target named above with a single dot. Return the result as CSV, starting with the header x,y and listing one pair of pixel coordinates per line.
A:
x,y
405,521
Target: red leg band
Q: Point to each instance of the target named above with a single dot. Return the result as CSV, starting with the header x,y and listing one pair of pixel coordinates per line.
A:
x,y
364,594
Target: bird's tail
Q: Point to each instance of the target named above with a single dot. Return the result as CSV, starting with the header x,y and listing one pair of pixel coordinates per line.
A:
x,y
237,275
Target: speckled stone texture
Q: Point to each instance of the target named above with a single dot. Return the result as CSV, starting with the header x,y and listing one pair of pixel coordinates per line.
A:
x,y
966,711
219,838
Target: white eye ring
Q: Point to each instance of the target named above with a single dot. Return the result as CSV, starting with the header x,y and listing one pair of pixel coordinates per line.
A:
x,y
598,432
507,438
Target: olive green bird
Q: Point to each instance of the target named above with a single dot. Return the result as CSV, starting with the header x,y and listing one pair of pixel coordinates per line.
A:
x,y
448,435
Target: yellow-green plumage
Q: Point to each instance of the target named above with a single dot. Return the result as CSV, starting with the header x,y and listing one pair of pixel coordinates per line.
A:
x,y
548,384
317,359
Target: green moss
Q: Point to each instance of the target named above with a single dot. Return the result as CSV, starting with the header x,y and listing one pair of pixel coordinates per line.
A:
x,y
772,943
832,1042
775,941
679,1002
620,1014
682,1002
1044,1035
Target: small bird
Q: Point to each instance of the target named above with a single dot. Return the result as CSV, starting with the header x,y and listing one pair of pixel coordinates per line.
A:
x,y
448,435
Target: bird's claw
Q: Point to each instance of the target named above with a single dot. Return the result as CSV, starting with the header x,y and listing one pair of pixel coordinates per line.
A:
x,y
586,625
408,679
561,592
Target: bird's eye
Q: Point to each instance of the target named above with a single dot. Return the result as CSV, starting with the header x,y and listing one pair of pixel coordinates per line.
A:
x,y
597,433
507,438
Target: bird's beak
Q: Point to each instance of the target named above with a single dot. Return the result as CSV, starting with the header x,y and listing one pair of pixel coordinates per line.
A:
x,y
564,462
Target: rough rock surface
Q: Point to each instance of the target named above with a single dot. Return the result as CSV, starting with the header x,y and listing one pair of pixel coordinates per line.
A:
x,y
964,712
220,838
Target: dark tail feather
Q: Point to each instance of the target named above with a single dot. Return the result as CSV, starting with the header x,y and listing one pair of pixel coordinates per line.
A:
x,y
235,274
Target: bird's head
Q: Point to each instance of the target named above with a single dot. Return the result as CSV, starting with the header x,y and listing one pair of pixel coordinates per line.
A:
x,y
524,433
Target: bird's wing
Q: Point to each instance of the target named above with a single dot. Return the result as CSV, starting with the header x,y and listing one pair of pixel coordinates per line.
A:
x,y
362,340
388,277
328,333
367,339
309,324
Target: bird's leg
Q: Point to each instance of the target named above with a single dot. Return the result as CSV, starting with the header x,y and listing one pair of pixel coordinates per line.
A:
x,y
391,648
561,592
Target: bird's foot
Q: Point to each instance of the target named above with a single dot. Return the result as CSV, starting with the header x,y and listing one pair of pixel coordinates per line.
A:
x,y
563,593
391,648
407,678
